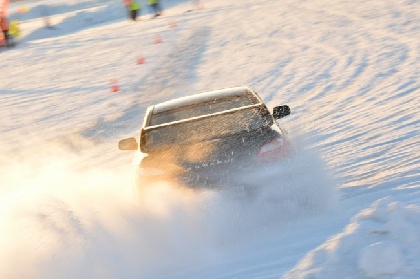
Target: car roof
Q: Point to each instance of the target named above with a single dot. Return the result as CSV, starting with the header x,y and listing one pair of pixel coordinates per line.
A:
x,y
202,97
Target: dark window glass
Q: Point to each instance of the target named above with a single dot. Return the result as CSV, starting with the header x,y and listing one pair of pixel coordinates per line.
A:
x,y
203,108
207,128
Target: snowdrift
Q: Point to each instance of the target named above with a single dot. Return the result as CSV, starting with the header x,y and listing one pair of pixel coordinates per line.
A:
x,y
380,242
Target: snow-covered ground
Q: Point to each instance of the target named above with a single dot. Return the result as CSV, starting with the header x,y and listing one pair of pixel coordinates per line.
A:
x,y
349,72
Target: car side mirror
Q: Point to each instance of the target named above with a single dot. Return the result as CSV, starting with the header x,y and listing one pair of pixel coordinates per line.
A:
x,y
128,144
281,111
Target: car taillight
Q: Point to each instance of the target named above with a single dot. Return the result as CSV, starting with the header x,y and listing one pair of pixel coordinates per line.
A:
x,y
273,150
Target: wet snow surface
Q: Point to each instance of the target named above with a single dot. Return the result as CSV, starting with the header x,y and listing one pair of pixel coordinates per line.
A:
x,y
347,206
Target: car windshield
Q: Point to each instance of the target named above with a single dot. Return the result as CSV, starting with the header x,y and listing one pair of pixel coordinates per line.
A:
x,y
203,108
206,128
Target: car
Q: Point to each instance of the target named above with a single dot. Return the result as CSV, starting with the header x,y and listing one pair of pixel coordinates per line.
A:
x,y
207,139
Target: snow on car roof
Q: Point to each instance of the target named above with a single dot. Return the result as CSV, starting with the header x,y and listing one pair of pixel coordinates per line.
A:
x,y
201,97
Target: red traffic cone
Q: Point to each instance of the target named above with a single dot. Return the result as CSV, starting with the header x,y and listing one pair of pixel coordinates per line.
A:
x,y
158,39
114,86
140,60
172,24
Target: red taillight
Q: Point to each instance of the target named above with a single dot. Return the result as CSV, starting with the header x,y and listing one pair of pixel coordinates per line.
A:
x,y
273,150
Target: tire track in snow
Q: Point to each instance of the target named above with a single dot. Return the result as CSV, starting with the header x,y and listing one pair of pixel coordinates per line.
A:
x,y
388,57
175,73
359,79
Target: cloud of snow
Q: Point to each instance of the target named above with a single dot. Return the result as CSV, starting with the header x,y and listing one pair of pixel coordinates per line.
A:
x,y
62,218
380,242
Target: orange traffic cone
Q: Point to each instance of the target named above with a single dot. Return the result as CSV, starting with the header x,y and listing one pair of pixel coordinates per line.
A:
x,y
114,86
172,24
140,60
158,39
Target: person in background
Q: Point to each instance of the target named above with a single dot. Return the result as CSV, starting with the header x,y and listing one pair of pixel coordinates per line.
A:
x,y
155,7
14,29
135,9
5,29
159,7
127,4
45,13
